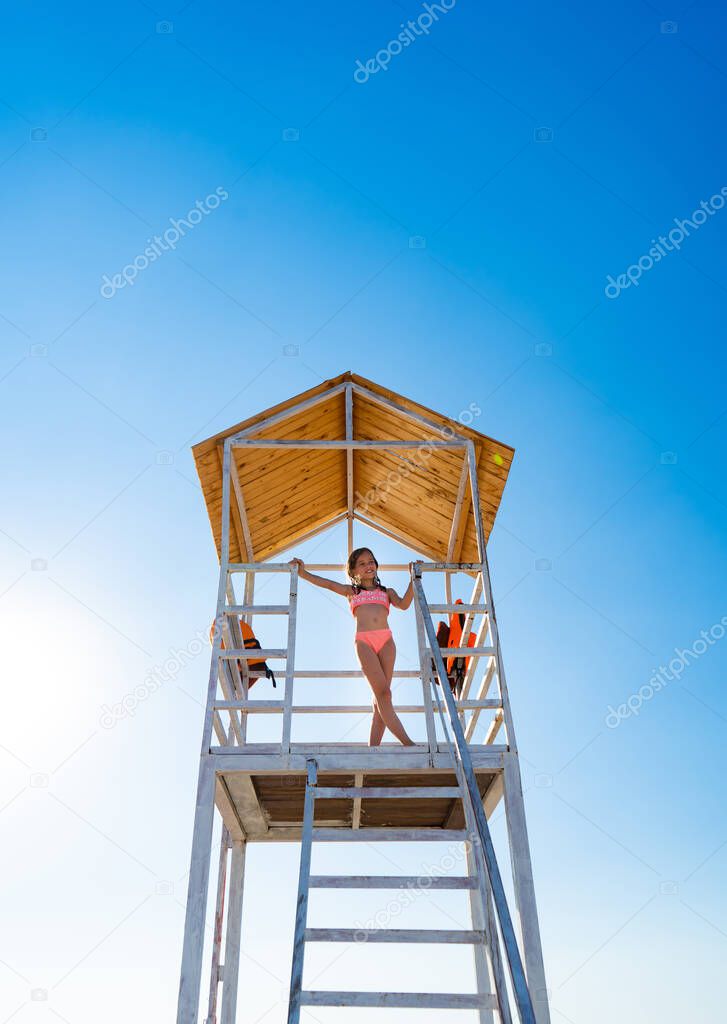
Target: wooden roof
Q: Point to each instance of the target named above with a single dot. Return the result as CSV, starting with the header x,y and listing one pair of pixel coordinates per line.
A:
x,y
288,493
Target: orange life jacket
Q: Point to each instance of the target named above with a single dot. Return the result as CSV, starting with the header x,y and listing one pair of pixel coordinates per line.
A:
x,y
450,635
456,625
257,669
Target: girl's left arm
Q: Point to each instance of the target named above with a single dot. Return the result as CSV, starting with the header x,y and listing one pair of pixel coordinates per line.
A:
x,y
401,602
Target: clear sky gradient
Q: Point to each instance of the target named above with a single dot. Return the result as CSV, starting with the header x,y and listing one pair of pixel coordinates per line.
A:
x,y
447,228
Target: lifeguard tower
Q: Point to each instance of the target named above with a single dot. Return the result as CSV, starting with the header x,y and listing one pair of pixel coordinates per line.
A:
x,y
352,451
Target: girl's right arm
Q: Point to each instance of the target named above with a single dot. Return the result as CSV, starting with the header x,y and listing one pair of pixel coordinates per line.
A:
x,y
344,589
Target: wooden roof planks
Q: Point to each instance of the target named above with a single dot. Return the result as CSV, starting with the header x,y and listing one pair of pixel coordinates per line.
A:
x,y
410,492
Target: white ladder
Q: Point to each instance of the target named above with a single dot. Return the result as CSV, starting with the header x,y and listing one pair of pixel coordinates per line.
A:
x,y
414,1000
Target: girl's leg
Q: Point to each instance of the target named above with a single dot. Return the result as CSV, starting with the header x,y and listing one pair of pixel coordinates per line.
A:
x,y
387,657
381,687
377,726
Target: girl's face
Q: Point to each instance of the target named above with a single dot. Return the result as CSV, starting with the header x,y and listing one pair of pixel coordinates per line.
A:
x,y
365,567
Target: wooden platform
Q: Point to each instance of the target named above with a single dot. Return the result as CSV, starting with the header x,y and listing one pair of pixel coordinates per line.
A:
x,y
267,805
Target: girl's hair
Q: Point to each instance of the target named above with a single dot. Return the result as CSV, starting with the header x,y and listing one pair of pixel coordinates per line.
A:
x,y
351,562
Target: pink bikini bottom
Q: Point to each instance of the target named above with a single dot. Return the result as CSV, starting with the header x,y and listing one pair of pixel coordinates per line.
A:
x,y
375,638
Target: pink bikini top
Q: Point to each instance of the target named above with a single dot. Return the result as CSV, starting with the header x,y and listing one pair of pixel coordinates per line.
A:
x,y
369,597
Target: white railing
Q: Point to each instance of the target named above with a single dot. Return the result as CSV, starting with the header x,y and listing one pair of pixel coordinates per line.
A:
x,y
230,706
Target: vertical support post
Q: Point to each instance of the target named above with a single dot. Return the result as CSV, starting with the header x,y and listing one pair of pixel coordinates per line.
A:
x,y
221,596
483,899
290,660
232,938
219,914
242,512
349,465
514,805
475,489
301,910
427,683
249,594
356,813
455,534
469,621
228,679
191,976
193,948
237,672
248,599
487,586
522,874
477,914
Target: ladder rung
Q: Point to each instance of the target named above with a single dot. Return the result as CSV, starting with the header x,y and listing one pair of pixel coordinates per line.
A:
x,y
378,835
465,652
273,707
440,609
380,793
447,567
402,1000
436,935
251,653
391,882
347,673
257,609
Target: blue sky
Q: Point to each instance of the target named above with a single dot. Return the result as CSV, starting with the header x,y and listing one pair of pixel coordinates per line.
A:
x,y
414,229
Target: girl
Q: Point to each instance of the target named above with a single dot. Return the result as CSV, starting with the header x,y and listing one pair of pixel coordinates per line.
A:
x,y
375,648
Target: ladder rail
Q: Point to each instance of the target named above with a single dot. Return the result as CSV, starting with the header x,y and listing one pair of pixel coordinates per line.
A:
x,y
460,753
425,667
482,955
290,662
217,940
301,909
